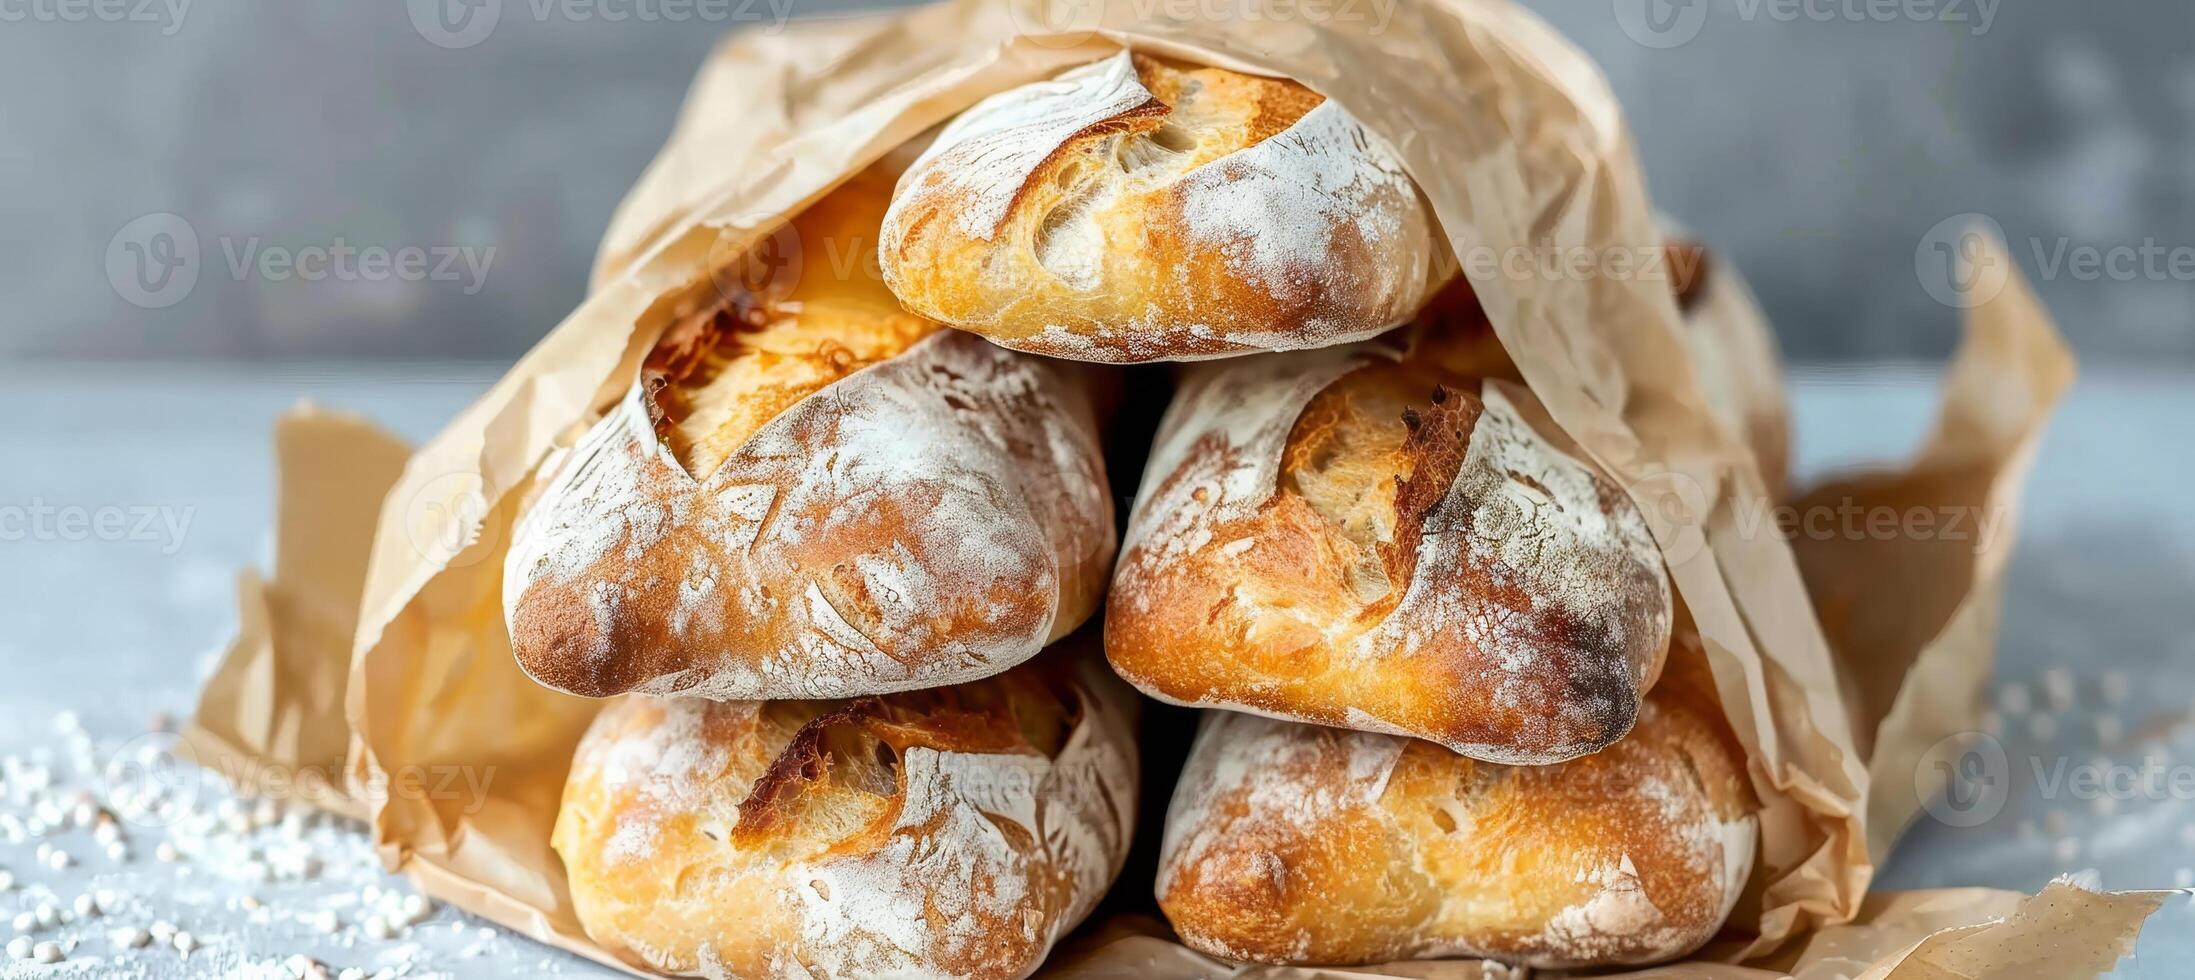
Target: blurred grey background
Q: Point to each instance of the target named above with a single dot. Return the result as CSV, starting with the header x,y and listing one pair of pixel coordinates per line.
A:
x,y
1818,143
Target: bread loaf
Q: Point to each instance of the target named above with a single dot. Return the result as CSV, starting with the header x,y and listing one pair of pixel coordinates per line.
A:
x,y
1138,209
1354,538
809,492
955,832
1300,844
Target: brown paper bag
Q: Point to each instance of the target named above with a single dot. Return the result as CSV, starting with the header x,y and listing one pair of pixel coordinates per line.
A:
x,y
271,716
1519,145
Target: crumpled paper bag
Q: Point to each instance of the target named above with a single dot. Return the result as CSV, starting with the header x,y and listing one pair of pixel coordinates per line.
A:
x,y
271,715
1518,145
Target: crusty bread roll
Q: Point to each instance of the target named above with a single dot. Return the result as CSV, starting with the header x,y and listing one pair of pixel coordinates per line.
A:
x,y
1351,538
1300,844
955,832
811,493
1137,209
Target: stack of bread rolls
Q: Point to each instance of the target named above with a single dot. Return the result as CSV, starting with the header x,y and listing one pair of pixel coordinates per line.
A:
x,y
820,548
834,549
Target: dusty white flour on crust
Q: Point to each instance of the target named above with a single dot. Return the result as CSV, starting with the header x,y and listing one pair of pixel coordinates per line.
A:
x,y
978,839
1272,766
1619,915
874,912
672,768
1520,510
1322,216
1532,517
1216,457
1251,784
980,452
1737,838
1273,209
987,153
938,887
1621,923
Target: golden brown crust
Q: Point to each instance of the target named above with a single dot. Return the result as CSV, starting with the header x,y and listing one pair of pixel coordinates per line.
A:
x,y
811,493
1137,209
946,832
1347,539
803,309
1632,855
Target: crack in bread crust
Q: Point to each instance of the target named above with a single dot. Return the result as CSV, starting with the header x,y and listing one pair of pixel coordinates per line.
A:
x,y
1634,855
811,493
1138,209
1302,549
942,833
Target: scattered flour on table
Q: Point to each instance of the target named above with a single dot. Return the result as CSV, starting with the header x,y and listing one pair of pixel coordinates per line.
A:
x,y
166,872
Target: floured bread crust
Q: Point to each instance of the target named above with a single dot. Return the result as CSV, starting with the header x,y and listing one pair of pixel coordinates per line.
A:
x,y
1633,855
1356,539
810,493
955,832
1136,209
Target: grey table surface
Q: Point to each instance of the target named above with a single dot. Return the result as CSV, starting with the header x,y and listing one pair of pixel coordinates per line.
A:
x,y
102,630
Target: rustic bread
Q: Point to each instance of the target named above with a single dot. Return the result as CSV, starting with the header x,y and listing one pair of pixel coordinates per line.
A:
x,y
955,832
809,492
1300,844
1138,209
1354,538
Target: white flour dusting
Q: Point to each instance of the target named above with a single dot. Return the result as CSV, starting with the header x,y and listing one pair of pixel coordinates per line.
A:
x,y
1619,912
1532,517
1274,208
975,840
986,153
985,458
1252,785
1063,204
1246,755
1520,511
147,865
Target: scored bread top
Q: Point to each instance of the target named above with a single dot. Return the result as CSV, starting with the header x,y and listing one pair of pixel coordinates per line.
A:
x,y
1138,209
806,307
1632,855
1350,538
811,493
947,832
